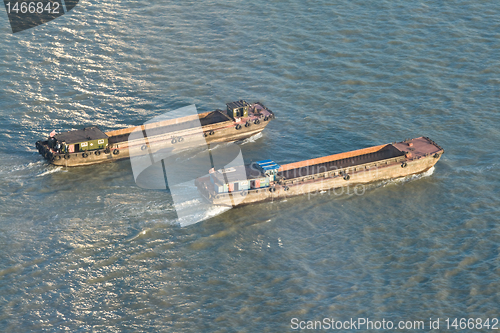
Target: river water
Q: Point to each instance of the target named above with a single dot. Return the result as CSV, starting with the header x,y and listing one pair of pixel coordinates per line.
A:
x,y
86,249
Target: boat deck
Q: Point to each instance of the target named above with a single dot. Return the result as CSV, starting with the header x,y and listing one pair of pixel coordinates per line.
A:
x,y
418,147
412,149
307,169
211,118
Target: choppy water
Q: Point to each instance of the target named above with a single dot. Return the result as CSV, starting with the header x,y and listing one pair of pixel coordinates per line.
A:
x,y
87,250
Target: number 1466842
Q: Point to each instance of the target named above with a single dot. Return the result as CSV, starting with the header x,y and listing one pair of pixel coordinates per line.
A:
x,y
32,7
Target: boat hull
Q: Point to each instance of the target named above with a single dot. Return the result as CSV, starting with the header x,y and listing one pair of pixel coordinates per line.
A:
x,y
173,141
350,176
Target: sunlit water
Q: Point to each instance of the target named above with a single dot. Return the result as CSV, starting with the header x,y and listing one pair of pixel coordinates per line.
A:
x,y
85,249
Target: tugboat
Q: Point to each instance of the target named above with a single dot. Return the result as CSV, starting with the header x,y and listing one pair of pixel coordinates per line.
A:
x,y
90,145
266,180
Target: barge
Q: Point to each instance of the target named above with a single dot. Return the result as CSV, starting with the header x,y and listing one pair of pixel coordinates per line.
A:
x,y
90,145
266,180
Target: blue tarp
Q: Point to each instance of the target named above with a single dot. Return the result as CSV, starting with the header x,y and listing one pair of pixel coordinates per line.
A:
x,y
268,165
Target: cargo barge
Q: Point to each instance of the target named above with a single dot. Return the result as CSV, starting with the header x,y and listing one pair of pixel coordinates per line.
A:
x,y
90,145
266,180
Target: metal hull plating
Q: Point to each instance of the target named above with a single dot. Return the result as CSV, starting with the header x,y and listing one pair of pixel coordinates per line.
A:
x,y
121,151
360,173
118,149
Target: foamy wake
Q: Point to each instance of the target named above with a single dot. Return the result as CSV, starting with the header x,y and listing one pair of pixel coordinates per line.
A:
x,y
187,204
406,178
20,167
253,138
415,177
214,211
31,169
52,170
199,214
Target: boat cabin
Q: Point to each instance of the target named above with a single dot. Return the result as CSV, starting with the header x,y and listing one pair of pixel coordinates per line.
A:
x,y
237,109
89,138
254,176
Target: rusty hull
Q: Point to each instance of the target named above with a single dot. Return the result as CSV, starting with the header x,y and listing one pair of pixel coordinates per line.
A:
x,y
226,131
362,166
